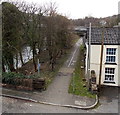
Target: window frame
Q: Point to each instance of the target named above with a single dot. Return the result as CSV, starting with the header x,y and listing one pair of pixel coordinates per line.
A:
x,y
111,55
109,72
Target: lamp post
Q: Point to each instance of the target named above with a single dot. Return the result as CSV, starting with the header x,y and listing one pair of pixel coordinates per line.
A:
x,y
89,56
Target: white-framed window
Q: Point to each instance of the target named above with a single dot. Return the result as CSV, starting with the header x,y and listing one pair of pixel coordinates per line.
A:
x,y
109,75
110,55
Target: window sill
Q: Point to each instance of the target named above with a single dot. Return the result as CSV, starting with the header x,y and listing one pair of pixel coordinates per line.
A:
x,y
109,82
111,63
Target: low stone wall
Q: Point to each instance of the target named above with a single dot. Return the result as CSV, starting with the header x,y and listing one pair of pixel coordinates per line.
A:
x,y
27,84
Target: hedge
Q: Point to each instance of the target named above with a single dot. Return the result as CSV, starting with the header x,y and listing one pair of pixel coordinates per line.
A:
x,y
10,77
17,79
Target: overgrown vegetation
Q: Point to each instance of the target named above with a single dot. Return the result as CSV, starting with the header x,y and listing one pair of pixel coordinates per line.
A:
x,y
77,85
39,27
10,77
17,79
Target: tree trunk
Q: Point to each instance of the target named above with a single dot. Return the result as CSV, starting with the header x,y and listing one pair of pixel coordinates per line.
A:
x,y
34,62
10,62
52,66
12,69
3,67
11,66
39,52
61,52
21,58
16,61
39,48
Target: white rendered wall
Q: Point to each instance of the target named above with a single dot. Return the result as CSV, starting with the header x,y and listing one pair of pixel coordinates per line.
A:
x,y
95,63
119,65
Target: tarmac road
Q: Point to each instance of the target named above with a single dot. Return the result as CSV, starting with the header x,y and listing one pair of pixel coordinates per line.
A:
x,y
19,106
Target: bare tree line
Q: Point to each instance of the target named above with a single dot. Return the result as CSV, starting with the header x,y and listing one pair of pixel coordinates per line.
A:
x,y
110,21
40,27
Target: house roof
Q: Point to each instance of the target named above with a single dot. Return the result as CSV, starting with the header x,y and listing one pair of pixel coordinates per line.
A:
x,y
111,35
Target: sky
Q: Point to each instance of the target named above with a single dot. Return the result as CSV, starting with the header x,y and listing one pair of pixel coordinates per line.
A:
x,y
75,9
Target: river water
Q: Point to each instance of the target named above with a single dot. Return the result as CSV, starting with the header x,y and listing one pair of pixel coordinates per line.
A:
x,y
26,54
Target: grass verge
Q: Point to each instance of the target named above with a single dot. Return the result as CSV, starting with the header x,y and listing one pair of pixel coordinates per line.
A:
x,y
77,84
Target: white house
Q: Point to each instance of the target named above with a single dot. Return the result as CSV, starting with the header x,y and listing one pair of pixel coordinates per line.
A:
x,y
111,55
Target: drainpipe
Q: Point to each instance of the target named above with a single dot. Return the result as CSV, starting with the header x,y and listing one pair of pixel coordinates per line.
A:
x,y
101,57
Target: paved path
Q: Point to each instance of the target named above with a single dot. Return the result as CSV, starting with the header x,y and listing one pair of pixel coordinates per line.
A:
x,y
57,92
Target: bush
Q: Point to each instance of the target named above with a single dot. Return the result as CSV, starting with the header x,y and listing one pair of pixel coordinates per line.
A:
x,y
9,78
21,81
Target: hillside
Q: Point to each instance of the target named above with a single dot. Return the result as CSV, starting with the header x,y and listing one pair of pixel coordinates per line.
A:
x,y
110,21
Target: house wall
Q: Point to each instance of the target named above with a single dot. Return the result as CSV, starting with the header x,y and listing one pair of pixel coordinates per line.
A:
x,y
95,63
119,65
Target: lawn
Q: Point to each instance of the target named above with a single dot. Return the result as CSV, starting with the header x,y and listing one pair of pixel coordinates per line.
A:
x,y
77,85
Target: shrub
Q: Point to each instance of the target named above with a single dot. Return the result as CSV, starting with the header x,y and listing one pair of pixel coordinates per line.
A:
x,y
9,78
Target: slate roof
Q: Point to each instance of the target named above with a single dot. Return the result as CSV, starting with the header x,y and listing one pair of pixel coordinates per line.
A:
x,y
111,35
